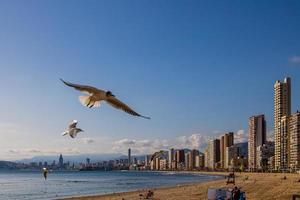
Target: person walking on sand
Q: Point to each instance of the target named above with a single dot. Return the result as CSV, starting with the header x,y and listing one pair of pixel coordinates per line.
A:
x,y
45,173
236,193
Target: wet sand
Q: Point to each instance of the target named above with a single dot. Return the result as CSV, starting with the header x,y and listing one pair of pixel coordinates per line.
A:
x,y
258,186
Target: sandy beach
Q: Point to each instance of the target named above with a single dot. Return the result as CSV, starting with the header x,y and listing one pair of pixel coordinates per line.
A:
x,y
258,186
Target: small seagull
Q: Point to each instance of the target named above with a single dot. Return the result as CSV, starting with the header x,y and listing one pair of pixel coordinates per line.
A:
x,y
95,96
72,130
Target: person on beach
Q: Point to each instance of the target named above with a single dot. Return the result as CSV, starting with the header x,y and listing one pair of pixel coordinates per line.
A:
x,y
45,173
236,193
149,194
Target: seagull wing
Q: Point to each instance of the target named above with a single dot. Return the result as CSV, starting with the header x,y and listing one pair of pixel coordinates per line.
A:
x,y
122,106
82,88
73,124
64,133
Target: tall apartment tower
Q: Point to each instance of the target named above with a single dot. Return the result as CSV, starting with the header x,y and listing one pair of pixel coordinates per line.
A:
x,y
194,153
179,157
294,143
61,161
188,161
213,153
171,157
129,156
256,137
282,107
226,140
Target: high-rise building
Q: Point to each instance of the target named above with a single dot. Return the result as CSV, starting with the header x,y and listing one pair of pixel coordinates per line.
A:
x,y
284,143
282,107
213,153
180,158
199,161
256,137
206,158
222,151
194,153
187,159
157,163
129,156
171,157
294,143
226,140
163,164
61,161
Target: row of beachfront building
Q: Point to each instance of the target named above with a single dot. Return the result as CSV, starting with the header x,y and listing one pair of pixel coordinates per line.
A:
x,y
281,154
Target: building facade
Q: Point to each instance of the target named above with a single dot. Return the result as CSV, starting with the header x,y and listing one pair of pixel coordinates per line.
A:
x,y
226,140
263,154
129,156
230,154
256,137
171,157
282,107
284,143
194,153
294,143
180,158
213,153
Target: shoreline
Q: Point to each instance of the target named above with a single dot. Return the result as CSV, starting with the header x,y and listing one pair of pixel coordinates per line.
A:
x,y
257,186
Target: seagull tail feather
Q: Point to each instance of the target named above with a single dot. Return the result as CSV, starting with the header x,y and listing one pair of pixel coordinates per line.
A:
x,y
63,81
145,117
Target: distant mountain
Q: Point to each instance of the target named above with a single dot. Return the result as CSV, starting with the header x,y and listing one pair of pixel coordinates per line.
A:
x,y
73,158
7,165
79,158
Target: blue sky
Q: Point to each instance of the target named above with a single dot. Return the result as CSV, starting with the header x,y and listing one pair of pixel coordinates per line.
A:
x,y
198,68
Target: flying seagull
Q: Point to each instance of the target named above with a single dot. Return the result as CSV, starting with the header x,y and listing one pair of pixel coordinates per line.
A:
x,y
72,130
95,96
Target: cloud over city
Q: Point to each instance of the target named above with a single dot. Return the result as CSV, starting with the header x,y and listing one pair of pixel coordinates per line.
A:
x,y
194,141
240,136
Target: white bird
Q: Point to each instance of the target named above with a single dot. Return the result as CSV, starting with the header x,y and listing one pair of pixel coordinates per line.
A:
x,y
72,129
95,96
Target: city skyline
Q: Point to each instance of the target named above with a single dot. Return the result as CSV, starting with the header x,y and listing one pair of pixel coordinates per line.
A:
x,y
192,71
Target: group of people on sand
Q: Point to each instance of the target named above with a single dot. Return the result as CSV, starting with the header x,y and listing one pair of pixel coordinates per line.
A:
x,y
148,195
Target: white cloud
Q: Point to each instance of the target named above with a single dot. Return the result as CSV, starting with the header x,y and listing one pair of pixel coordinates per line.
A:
x,y
294,59
125,142
240,136
194,141
87,140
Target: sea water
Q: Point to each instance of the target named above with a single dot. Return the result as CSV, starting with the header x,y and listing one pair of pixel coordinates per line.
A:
x,y
60,184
